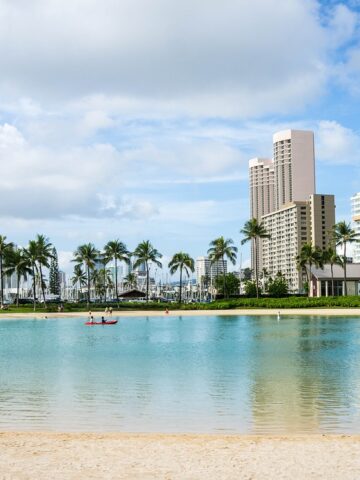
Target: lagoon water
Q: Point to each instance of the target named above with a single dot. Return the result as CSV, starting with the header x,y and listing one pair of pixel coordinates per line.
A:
x,y
214,374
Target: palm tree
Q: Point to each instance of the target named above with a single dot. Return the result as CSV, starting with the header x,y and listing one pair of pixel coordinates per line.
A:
x,y
309,255
254,231
87,255
330,256
344,234
31,254
18,264
117,251
5,247
101,280
130,281
79,277
44,255
146,253
219,249
181,261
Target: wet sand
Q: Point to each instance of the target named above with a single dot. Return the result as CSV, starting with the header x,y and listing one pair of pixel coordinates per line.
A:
x,y
44,456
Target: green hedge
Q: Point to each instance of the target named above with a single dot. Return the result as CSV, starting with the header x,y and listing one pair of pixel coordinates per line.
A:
x,y
247,303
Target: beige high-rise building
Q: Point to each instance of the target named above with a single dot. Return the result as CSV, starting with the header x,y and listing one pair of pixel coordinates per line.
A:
x,y
294,166
282,196
290,228
261,172
322,215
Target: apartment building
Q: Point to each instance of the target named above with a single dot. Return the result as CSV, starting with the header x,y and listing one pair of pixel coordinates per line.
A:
x,y
282,196
294,166
204,268
261,173
290,228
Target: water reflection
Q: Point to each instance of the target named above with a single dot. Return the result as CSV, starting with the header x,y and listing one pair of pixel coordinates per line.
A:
x,y
189,374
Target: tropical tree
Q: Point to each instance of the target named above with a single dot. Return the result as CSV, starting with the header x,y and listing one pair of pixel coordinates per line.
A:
x,y
331,257
87,255
218,251
18,264
253,232
54,280
130,281
101,280
343,235
117,251
232,284
31,254
147,254
79,278
44,255
309,256
183,262
5,247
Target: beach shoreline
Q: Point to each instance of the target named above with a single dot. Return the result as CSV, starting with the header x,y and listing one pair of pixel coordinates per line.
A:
x,y
192,313
42,455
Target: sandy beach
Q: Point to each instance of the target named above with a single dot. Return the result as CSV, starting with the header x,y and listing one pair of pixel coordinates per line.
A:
x,y
40,456
194,313
177,457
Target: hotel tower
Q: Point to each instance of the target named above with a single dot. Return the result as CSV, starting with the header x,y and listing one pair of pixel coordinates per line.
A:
x,y
283,198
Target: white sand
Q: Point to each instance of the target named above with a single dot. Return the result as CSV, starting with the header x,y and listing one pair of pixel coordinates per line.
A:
x,y
184,313
44,456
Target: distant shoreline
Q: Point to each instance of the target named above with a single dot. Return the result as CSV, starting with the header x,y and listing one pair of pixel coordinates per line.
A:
x,y
193,313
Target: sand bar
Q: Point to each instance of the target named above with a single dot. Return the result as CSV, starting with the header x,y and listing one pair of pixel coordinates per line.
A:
x,y
194,313
177,457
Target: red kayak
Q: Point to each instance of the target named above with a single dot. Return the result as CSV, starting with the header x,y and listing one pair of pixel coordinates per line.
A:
x,y
108,322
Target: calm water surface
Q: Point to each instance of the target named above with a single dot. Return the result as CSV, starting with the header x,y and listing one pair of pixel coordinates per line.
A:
x,y
182,374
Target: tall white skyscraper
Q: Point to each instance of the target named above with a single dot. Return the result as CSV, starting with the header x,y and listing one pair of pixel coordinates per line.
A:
x,y
355,214
204,268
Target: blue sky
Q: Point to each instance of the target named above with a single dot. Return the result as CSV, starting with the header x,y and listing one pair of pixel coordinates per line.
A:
x,y
136,120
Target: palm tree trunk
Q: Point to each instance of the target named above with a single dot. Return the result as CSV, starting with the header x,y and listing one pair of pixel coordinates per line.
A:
x,y
256,269
88,285
147,282
105,285
345,280
224,277
17,289
1,281
180,285
34,286
332,280
42,285
310,281
116,282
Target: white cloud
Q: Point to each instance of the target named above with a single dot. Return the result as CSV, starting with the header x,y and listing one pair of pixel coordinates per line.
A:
x,y
192,56
342,24
337,144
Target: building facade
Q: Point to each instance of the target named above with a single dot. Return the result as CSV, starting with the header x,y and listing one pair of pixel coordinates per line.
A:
x,y
355,215
205,269
294,166
282,196
290,228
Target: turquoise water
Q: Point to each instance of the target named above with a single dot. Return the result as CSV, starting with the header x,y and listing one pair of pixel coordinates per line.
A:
x,y
213,374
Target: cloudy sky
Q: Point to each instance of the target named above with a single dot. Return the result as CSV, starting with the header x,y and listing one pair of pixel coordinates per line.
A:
x,y
135,119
